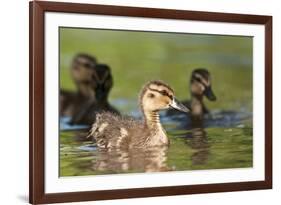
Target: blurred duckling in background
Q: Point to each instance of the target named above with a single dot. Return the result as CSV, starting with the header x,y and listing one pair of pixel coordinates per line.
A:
x,y
200,86
81,70
93,82
111,131
101,84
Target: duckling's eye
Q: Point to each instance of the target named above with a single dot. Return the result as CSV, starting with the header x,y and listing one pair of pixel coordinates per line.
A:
x,y
151,95
198,79
87,65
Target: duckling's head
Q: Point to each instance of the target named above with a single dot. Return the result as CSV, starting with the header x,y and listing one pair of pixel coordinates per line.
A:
x,y
156,96
82,68
102,81
200,84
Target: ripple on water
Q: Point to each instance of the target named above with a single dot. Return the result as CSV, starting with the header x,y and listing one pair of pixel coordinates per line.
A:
x,y
65,124
88,148
218,118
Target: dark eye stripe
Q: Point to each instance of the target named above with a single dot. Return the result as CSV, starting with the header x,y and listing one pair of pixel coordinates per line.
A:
x,y
162,92
199,80
203,79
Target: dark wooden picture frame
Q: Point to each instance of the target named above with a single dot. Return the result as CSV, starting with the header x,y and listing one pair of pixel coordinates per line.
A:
x,y
37,94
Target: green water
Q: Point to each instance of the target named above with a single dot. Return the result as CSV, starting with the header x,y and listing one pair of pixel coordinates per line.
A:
x,y
225,140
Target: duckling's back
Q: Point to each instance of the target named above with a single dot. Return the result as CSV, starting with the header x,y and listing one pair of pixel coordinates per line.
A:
x,y
113,131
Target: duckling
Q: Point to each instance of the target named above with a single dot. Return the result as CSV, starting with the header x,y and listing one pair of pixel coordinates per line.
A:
x,y
94,82
82,68
200,86
111,131
101,85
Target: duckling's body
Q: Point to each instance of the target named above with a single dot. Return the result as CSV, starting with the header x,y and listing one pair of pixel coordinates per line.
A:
x,y
200,86
111,131
94,82
123,132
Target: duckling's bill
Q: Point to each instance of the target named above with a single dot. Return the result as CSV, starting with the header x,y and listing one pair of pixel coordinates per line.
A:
x,y
178,105
210,94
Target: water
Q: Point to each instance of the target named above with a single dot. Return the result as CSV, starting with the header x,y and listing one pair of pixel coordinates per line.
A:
x,y
224,140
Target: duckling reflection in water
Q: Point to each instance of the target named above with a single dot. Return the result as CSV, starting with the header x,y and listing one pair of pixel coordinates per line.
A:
x,y
200,86
111,131
93,82
151,159
198,141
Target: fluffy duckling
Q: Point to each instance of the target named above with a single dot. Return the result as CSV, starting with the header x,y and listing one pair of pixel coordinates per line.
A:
x,y
111,131
101,85
82,68
200,86
94,82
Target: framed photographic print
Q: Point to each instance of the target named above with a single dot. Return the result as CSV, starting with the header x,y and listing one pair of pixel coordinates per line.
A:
x,y
136,102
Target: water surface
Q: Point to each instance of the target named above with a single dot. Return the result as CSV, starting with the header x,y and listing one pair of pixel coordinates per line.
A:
x,y
223,141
